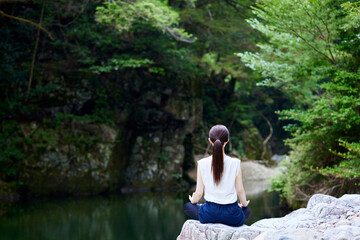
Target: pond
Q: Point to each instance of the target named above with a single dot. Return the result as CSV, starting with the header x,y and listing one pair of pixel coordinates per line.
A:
x,y
156,215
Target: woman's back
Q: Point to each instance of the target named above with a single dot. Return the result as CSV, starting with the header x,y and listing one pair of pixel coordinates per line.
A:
x,y
220,177
225,191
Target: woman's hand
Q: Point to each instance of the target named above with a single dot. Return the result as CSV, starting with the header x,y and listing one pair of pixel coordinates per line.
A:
x,y
242,205
191,199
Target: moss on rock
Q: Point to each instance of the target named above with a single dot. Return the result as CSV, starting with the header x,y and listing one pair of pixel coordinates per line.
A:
x,y
74,160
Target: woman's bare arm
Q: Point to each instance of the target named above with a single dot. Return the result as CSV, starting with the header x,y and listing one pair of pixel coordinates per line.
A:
x,y
240,190
196,196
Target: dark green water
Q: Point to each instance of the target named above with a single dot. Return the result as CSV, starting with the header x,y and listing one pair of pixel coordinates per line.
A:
x,y
132,216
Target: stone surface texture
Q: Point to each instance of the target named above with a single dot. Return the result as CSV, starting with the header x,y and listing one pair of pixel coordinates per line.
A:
x,y
142,146
325,217
153,163
65,168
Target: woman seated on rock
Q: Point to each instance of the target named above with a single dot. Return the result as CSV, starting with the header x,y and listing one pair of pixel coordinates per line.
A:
x,y
220,176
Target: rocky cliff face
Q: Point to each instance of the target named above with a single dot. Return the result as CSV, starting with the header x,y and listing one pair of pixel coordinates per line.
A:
x,y
155,147
325,217
156,159
70,161
143,147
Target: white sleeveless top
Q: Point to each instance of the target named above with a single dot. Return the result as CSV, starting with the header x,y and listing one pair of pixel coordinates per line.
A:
x,y
225,192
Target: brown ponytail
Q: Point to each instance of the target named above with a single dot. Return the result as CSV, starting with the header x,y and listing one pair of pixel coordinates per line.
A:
x,y
218,134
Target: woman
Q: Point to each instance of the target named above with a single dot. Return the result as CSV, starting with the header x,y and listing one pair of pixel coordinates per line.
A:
x,y
220,176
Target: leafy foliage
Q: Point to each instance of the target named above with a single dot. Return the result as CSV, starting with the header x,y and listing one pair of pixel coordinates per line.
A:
x,y
118,63
311,53
11,143
122,14
301,46
349,167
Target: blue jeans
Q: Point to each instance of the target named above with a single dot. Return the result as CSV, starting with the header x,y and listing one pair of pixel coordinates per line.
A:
x,y
229,214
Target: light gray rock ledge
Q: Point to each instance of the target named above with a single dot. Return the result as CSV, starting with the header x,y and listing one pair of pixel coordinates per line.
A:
x,y
325,217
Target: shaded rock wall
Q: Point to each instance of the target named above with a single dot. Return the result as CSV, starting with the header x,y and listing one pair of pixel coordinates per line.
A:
x,y
72,161
145,147
131,133
156,159
151,148
157,154
8,192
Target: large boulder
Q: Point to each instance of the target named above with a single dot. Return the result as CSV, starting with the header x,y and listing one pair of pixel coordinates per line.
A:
x,y
256,177
194,230
156,160
73,159
158,150
325,217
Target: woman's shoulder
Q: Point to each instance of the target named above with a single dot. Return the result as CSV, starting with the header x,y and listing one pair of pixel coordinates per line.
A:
x,y
233,162
205,159
233,159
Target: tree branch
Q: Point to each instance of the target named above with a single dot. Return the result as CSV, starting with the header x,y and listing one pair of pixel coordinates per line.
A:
x,y
328,39
34,54
210,15
307,43
28,21
311,46
270,134
318,28
75,18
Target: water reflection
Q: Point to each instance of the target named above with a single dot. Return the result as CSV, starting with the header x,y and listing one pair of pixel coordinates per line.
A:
x,y
139,216
133,216
265,205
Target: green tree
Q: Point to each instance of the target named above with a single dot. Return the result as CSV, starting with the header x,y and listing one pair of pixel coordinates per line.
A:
x,y
123,14
312,53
